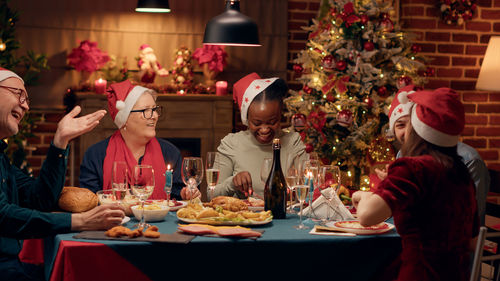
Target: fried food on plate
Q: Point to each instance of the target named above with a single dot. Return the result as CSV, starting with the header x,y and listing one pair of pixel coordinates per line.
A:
x,y
117,231
228,203
152,232
207,213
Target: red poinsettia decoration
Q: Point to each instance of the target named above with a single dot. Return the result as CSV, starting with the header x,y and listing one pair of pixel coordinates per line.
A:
x,y
214,55
348,15
87,57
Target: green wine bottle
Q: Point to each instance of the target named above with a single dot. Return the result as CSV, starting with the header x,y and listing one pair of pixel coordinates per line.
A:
x,y
275,189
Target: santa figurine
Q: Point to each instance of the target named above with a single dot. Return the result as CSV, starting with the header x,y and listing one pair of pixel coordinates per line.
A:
x,y
148,65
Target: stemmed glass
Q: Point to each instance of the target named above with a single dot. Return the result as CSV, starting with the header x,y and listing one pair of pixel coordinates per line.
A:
x,y
212,172
192,173
265,169
119,180
302,191
143,184
329,177
292,179
310,171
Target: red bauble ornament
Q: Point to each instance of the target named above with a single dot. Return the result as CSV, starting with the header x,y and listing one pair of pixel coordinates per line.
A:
x,y
369,46
330,97
382,92
429,72
341,65
364,19
404,81
299,122
369,102
309,148
298,68
387,25
307,89
328,62
345,118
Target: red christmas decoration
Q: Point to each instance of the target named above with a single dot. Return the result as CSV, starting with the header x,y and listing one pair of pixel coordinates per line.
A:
x,y
299,122
307,90
416,48
298,68
341,65
330,97
387,24
328,62
309,148
345,118
382,92
369,102
364,19
404,81
369,46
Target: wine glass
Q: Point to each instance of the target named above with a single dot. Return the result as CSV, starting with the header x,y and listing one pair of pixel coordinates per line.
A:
x,y
212,172
192,173
302,191
329,181
292,179
119,180
265,169
143,184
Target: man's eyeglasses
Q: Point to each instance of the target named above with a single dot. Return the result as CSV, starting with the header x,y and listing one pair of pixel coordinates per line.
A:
x,y
148,112
23,96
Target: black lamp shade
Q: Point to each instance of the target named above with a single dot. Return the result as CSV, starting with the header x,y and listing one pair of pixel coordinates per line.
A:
x,y
153,6
231,28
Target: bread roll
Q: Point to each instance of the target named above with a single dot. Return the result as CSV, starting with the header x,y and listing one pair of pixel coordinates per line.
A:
x,y
77,200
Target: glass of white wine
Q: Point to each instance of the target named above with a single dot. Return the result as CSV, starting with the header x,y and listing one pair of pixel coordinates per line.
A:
x,y
119,181
302,191
212,172
143,184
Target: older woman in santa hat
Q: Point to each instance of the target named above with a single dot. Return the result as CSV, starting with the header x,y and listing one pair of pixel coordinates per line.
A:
x,y
241,154
135,113
428,191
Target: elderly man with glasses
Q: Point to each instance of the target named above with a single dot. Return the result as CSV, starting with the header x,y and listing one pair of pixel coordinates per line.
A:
x,y
135,114
25,202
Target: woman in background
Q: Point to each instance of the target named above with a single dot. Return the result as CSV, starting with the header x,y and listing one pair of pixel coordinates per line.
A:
x,y
241,154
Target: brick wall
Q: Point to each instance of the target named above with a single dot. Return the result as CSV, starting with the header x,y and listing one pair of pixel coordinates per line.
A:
x,y
456,53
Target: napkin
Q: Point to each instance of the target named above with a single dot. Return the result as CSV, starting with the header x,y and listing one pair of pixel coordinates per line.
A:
x,y
322,209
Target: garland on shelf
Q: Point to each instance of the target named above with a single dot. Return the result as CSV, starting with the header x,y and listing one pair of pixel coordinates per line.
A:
x,y
457,11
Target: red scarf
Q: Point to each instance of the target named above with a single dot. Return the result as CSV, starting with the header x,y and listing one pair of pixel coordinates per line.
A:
x,y
117,150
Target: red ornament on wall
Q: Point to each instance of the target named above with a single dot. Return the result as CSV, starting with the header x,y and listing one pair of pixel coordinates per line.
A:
x,y
369,46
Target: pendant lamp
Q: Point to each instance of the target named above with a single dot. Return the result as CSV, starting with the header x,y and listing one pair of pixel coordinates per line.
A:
x,y
488,74
231,28
153,6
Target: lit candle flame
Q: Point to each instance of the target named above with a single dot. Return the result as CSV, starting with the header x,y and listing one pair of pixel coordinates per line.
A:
x,y
168,167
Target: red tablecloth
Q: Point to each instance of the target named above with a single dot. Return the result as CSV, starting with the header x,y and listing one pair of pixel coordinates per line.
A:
x,y
105,263
32,251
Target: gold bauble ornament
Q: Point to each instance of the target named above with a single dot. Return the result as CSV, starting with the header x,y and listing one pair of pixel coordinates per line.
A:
x,y
380,150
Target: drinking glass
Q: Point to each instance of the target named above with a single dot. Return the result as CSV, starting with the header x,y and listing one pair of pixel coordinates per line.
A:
x,y
292,179
119,180
143,184
302,191
329,177
265,169
310,172
192,173
212,172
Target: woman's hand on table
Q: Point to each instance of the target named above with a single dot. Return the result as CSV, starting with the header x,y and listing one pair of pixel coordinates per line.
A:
x,y
242,181
102,217
357,196
187,194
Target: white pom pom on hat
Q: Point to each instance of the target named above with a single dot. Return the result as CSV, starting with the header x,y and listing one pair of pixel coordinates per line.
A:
x,y
120,105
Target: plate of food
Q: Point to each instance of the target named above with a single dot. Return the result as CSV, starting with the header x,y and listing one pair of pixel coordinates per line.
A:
x,y
355,227
223,211
173,204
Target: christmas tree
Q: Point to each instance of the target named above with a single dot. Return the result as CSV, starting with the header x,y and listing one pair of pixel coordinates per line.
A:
x,y
355,60
28,67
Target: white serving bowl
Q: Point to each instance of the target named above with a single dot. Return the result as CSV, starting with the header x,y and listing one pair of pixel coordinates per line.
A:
x,y
150,215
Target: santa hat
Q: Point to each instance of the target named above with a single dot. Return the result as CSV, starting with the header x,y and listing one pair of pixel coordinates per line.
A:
x,y
400,106
438,117
121,99
5,73
144,46
246,89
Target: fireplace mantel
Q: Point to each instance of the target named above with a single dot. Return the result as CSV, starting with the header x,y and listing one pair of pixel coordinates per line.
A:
x,y
206,117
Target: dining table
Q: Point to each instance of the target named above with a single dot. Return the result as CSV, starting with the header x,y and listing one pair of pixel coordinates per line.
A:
x,y
282,251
